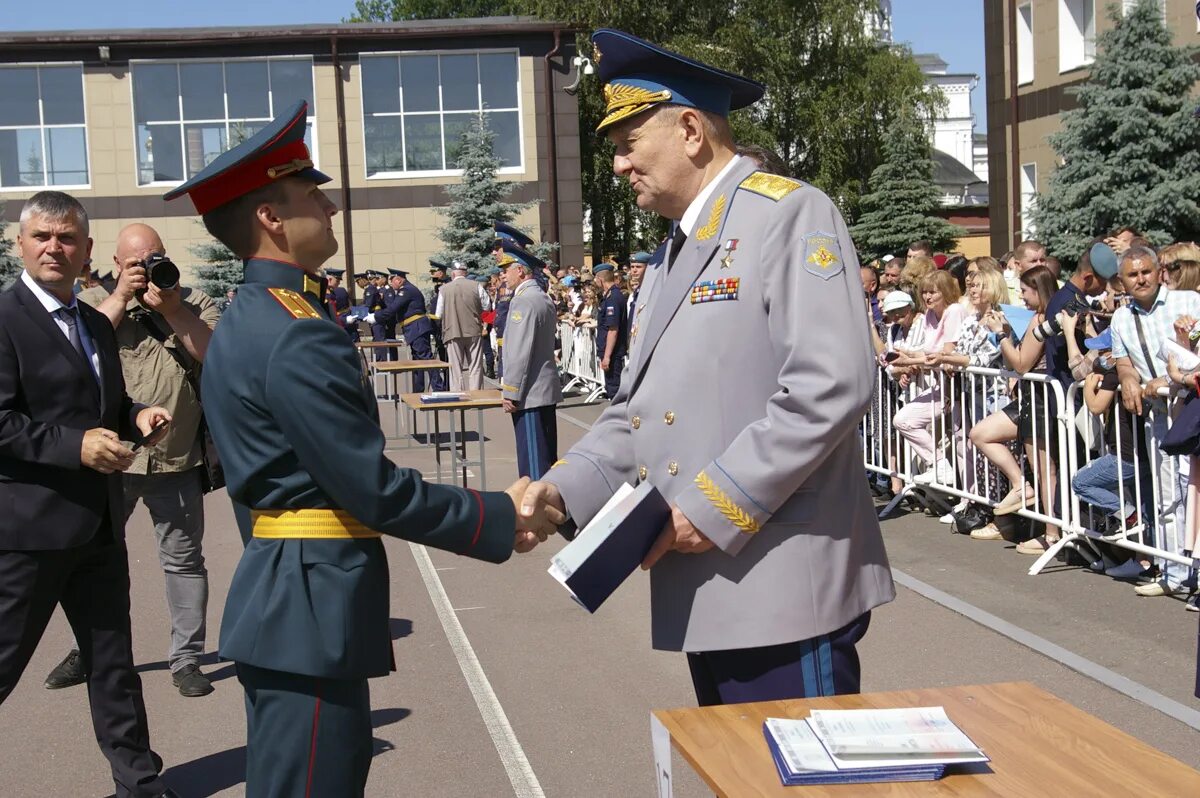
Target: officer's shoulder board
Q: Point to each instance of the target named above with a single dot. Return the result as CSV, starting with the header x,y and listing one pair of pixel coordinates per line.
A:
x,y
293,303
775,187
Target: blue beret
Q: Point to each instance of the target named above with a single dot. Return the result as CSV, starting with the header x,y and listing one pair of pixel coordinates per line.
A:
x,y
603,266
512,253
1104,260
506,232
640,257
278,150
637,76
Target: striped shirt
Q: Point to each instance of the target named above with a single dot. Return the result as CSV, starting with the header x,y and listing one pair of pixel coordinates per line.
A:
x,y
1158,325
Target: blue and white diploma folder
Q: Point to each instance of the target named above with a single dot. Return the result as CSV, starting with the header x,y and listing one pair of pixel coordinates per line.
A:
x,y
867,745
593,565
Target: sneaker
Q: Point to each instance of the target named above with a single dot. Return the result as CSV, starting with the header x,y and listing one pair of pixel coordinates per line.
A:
x,y
948,518
1154,589
1193,603
989,532
190,681
67,673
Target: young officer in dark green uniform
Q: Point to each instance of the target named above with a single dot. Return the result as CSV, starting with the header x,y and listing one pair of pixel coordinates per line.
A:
x,y
306,618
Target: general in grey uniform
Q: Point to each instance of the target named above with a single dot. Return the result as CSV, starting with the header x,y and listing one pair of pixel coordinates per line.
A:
x,y
748,373
530,385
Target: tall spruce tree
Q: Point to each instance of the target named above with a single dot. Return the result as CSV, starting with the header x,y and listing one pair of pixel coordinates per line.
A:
x,y
10,264
1130,153
220,269
899,207
477,202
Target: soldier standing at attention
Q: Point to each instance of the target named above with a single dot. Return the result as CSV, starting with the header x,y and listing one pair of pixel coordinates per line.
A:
x,y
610,328
530,389
772,560
306,617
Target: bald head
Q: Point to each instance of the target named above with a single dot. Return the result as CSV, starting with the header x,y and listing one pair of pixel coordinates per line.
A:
x,y
137,240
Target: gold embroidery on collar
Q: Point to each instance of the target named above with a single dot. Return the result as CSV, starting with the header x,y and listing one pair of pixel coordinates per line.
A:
x,y
714,220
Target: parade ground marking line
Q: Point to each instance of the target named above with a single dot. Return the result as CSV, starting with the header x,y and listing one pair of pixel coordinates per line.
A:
x,y
525,784
1105,676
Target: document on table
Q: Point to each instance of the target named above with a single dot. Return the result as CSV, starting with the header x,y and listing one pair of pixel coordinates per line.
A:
x,y
443,396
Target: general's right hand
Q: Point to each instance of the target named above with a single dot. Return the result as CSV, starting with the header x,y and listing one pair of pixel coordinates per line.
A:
x,y
542,507
103,451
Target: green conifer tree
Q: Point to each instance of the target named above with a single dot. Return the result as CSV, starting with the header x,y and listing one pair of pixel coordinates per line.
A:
x,y
220,269
477,202
1130,153
899,207
10,264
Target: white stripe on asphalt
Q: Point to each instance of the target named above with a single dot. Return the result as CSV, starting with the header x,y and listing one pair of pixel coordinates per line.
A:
x,y
520,773
1107,677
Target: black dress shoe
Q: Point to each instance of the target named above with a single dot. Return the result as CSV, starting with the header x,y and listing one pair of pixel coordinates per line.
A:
x,y
191,682
67,673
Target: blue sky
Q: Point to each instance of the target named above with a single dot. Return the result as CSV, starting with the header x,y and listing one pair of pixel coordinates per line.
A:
x,y
951,28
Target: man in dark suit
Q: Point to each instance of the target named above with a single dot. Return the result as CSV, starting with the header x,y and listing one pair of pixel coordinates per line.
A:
x,y
63,413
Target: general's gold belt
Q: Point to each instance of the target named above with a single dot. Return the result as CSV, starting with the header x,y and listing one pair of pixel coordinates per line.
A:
x,y
308,524
412,318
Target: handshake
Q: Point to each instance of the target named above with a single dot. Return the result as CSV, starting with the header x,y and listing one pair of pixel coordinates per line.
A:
x,y
540,512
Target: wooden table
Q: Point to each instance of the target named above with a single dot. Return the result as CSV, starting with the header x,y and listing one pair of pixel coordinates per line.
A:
x,y
1039,746
395,368
369,364
477,401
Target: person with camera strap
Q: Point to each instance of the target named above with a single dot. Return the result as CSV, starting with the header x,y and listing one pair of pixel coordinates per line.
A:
x,y
163,330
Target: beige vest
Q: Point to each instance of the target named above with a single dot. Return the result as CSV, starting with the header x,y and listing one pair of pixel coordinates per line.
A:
x,y
460,309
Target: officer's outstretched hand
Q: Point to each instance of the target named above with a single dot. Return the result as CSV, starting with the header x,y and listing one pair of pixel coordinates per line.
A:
x,y
534,523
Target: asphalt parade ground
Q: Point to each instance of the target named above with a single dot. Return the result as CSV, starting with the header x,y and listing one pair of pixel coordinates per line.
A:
x,y
504,687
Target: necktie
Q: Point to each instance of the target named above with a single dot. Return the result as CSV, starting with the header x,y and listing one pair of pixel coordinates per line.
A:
x,y
676,244
70,317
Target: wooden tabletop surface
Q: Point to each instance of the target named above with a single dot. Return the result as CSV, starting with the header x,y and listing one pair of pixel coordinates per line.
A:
x,y
478,400
1039,746
409,365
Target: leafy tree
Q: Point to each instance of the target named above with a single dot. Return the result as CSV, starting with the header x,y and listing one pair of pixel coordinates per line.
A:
x,y
1130,153
477,202
899,208
834,91
10,264
220,270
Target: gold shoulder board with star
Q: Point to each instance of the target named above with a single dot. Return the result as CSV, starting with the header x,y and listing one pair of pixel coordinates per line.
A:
x,y
294,303
774,186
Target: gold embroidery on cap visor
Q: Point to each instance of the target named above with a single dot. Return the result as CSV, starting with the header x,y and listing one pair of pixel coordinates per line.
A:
x,y
622,101
296,165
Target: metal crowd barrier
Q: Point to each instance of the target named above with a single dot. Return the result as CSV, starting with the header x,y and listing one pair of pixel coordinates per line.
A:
x,y
965,397
579,362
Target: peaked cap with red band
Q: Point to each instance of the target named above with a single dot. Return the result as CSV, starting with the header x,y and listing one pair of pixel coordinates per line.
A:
x,y
278,150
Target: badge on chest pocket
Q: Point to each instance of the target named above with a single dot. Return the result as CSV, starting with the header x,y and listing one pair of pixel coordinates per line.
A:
x,y
722,290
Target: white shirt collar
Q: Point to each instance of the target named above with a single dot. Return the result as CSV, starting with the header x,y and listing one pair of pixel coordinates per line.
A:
x,y
49,301
692,214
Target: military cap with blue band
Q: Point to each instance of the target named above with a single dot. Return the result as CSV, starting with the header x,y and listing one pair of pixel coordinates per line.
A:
x,y
276,151
638,76
506,232
513,253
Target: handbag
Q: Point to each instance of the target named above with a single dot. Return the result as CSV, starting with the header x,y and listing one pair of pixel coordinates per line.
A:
x,y
212,474
1183,438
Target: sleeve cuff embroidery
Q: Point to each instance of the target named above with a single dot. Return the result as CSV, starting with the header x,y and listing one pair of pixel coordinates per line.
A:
x,y
725,505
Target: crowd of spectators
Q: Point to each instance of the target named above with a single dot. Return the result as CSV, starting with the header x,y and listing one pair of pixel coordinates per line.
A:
x,y
976,355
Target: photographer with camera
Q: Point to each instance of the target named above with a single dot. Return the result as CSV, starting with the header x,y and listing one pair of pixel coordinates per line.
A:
x,y
1096,267
163,331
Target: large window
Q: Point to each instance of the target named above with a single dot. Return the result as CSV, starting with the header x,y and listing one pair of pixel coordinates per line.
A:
x,y
1076,33
1029,195
415,107
1025,43
43,140
187,113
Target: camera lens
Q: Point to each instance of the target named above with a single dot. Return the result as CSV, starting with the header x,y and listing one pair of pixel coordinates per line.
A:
x,y
162,272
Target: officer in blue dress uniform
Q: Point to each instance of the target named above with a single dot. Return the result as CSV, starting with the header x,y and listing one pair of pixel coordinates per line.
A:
x,y
306,617
339,302
437,273
611,329
406,310
374,298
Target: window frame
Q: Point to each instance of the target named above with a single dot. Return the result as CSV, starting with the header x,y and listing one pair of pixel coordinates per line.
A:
x,y
1025,55
1066,17
519,169
182,122
1028,199
43,127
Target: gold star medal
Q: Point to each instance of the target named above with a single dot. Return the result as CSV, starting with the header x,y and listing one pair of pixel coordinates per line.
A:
x,y
730,246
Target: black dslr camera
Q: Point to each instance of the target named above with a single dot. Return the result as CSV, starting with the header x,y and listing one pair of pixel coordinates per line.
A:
x,y
161,271
1050,327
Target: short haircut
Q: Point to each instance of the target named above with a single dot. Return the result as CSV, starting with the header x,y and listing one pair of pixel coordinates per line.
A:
x,y
767,159
1084,266
992,288
944,283
922,245
1139,253
234,224
716,127
1027,248
56,206
1041,280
